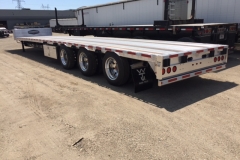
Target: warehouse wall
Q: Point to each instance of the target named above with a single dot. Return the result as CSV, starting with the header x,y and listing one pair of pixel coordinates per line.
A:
x,y
30,16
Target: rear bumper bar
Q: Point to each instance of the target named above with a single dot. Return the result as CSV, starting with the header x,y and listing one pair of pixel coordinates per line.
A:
x,y
190,75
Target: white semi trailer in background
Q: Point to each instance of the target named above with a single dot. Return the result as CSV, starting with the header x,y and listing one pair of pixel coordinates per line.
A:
x,y
121,59
219,11
150,19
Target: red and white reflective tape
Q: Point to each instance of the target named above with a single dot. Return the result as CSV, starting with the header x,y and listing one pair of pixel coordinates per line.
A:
x,y
104,50
160,29
190,75
149,29
132,28
186,29
190,53
139,29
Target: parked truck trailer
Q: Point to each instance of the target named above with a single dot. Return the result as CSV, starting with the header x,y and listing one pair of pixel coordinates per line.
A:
x,y
122,59
150,19
213,11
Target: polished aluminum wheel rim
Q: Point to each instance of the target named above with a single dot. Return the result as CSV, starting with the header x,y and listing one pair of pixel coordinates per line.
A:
x,y
83,61
111,68
63,56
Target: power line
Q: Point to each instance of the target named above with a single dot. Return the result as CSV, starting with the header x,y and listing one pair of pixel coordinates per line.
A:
x,y
19,4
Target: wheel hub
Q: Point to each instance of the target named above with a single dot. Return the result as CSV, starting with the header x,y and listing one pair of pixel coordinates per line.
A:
x,y
111,68
64,57
83,61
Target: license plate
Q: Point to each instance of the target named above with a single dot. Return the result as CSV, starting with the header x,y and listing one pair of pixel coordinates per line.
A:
x,y
221,36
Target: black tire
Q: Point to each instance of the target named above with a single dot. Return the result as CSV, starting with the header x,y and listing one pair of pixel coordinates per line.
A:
x,y
90,68
123,69
186,39
67,57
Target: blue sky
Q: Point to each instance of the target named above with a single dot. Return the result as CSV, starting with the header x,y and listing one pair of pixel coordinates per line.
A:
x,y
60,4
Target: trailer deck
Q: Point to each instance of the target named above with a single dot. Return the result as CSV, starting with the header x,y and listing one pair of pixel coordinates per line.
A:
x,y
140,49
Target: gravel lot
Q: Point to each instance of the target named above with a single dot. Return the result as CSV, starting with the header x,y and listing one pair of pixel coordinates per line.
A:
x,y
47,112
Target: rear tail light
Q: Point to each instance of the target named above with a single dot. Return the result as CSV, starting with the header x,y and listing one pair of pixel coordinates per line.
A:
x,y
207,31
174,69
215,59
219,58
232,28
222,58
169,70
221,30
163,71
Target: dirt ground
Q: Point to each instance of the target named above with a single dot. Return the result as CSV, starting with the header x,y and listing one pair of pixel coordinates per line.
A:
x,y
49,113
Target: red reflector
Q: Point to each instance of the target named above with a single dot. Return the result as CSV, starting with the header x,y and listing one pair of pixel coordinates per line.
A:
x,y
197,73
169,70
220,47
145,55
219,67
212,49
222,58
215,59
172,56
174,69
90,46
219,58
119,51
163,71
172,80
188,53
209,70
186,76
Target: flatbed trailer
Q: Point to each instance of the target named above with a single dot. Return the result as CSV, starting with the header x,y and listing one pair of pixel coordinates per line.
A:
x,y
118,58
216,33
150,19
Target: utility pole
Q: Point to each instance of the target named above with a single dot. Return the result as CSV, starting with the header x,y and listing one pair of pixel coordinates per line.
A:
x,y
19,5
45,7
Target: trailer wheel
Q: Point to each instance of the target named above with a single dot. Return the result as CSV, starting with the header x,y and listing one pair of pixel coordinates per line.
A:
x,y
116,69
67,57
87,62
186,39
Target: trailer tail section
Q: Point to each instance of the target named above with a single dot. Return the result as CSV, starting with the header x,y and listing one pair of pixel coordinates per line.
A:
x,y
168,61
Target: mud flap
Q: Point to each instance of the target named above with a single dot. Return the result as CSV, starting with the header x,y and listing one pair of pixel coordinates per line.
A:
x,y
142,77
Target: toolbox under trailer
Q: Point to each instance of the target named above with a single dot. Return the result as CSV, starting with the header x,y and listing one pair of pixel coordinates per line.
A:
x,y
119,58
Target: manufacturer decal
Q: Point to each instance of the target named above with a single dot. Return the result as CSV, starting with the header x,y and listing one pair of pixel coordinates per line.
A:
x,y
33,32
141,73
